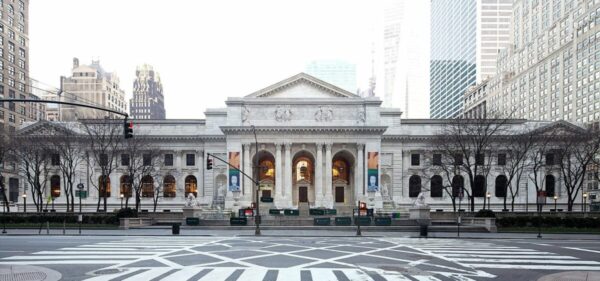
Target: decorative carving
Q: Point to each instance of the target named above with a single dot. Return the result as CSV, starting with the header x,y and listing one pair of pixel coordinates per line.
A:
x,y
324,114
420,202
329,146
283,114
245,113
360,146
362,116
288,146
191,201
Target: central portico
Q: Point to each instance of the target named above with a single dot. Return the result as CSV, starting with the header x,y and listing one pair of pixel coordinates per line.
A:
x,y
313,140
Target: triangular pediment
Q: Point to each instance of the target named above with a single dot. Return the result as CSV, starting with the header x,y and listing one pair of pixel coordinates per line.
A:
x,y
560,127
302,86
47,128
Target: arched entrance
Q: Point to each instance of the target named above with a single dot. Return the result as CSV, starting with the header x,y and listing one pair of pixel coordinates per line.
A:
x,y
303,171
342,184
266,175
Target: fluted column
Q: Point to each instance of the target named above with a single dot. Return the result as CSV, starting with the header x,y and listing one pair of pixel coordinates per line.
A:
x,y
288,172
319,176
359,172
278,171
328,175
248,186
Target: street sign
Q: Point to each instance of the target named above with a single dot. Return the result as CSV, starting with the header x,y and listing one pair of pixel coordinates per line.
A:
x,y
81,193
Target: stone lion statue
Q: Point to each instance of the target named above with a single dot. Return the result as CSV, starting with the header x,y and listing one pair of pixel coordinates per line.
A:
x,y
191,201
420,202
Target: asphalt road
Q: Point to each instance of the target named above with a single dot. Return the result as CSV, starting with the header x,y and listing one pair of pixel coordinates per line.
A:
x,y
298,258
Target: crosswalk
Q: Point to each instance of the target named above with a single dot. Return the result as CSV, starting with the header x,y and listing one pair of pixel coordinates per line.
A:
x,y
486,255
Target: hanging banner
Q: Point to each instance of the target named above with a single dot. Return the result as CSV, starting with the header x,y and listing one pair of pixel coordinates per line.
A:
x,y
373,172
234,174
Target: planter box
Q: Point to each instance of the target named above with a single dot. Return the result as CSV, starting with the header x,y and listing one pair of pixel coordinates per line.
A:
x,y
291,212
238,221
364,221
266,199
345,221
322,221
383,221
316,212
192,221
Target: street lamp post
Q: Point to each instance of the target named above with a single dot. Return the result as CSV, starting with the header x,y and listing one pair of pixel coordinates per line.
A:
x,y
255,174
24,202
122,200
488,195
584,202
555,198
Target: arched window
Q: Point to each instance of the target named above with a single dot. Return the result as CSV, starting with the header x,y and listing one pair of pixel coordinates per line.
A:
x,y
11,9
414,186
267,169
104,186
21,17
55,186
437,186
169,187
479,186
147,186
458,184
125,186
340,170
501,185
550,184
303,169
191,186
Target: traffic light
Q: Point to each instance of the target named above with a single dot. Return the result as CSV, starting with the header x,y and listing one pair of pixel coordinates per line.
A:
x,y
128,129
209,163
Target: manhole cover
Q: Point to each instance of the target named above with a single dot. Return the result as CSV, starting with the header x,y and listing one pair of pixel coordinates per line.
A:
x,y
27,273
572,276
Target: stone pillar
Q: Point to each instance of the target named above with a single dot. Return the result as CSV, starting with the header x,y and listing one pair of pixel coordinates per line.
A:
x,y
287,193
178,161
278,172
328,175
359,173
319,176
247,167
200,166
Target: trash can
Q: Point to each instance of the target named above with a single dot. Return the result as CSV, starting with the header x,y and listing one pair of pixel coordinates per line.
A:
x,y
423,230
175,229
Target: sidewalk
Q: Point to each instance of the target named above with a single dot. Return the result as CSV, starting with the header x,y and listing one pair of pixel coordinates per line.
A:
x,y
162,231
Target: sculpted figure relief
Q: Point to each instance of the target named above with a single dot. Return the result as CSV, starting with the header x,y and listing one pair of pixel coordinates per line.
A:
x,y
283,114
245,113
324,114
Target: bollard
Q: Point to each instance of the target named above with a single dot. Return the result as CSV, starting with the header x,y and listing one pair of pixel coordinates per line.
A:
x,y
175,229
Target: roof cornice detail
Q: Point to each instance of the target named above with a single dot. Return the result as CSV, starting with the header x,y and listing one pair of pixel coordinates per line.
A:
x,y
301,129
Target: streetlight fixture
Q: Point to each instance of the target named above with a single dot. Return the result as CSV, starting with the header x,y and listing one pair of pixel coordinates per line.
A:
x,y
584,201
24,202
122,200
488,195
555,198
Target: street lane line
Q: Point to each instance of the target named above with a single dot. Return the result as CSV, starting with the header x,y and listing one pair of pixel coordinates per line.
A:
x,y
62,257
532,261
94,252
183,274
530,266
490,252
218,274
149,274
64,262
580,249
510,256
322,274
255,274
107,277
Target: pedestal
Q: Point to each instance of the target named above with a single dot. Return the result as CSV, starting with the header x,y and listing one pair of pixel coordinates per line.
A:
x,y
421,215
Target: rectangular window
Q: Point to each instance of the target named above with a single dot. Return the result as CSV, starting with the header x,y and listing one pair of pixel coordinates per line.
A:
x,y
479,159
55,159
458,159
124,159
415,159
168,159
501,159
103,159
437,159
147,160
550,159
190,159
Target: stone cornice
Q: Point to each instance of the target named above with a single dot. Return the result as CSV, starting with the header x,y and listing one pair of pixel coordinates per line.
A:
x,y
298,101
370,130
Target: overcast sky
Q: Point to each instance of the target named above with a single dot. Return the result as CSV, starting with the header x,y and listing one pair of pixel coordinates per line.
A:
x,y
205,51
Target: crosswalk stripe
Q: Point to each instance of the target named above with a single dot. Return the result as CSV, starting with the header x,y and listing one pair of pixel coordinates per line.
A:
x,y
218,274
489,252
182,274
285,274
530,266
425,278
108,277
149,274
325,275
96,253
63,257
530,261
510,256
64,262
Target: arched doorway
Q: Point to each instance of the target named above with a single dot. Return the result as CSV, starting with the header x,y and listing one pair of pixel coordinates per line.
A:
x,y
55,186
191,186
342,188
147,186
266,175
104,186
303,171
169,187
125,186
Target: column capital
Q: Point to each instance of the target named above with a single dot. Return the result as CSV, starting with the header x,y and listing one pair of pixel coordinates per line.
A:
x,y
246,145
278,145
360,146
319,144
329,145
287,145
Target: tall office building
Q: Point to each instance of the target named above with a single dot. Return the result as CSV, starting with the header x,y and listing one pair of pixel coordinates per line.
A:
x,y
14,65
92,85
148,101
406,57
466,37
337,72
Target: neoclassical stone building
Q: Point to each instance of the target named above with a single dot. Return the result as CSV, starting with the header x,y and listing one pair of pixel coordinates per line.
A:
x,y
319,146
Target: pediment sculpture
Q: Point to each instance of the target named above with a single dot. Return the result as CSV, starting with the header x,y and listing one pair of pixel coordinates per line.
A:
x,y
324,114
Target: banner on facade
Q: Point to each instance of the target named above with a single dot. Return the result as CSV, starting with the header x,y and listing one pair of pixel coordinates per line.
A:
x,y
234,174
373,171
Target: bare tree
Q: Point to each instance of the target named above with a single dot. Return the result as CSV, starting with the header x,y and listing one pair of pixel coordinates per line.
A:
x,y
470,144
518,148
104,138
33,161
6,146
143,162
68,145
